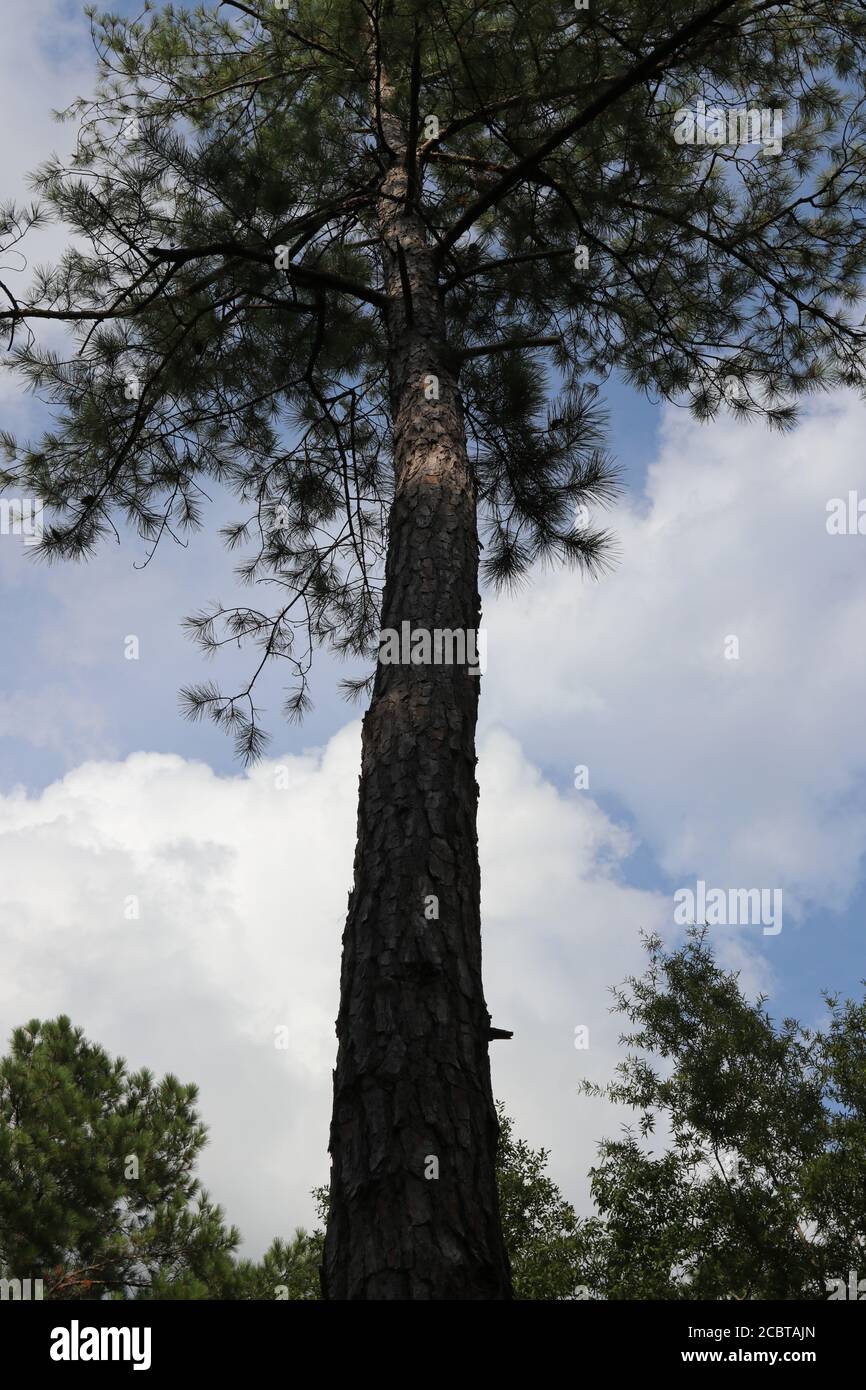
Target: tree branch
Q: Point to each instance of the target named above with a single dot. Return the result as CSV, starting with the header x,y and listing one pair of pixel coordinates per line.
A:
x,y
327,279
486,267
506,345
730,249
617,87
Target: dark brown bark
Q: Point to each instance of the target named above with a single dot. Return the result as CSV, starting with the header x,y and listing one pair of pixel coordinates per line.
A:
x,y
412,1081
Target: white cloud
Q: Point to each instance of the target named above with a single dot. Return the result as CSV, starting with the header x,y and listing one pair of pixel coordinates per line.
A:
x,y
744,772
242,890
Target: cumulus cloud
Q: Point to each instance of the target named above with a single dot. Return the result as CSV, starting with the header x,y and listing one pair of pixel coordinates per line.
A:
x,y
240,886
748,771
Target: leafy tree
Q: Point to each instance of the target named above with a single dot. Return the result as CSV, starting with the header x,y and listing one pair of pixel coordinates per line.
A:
x,y
760,1192
97,1193
337,258
547,1243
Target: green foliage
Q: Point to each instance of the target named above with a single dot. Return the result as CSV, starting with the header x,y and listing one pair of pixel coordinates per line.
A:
x,y
289,1270
760,1191
546,1242
74,1127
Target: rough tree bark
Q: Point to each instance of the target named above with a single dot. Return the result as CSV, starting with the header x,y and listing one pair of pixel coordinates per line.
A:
x,y
412,1080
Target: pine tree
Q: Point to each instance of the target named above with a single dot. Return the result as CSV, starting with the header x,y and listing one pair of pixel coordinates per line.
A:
x,y
365,263
97,1192
288,1271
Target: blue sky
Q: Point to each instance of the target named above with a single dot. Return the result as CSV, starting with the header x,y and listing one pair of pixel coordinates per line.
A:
x,y
744,773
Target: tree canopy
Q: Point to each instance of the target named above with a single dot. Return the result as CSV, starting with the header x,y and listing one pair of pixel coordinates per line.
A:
x,y
228,283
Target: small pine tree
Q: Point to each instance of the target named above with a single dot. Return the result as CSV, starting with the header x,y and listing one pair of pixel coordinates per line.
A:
x,y
97,1193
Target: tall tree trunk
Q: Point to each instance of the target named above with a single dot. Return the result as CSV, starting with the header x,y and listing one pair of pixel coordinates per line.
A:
x,y
413,1207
